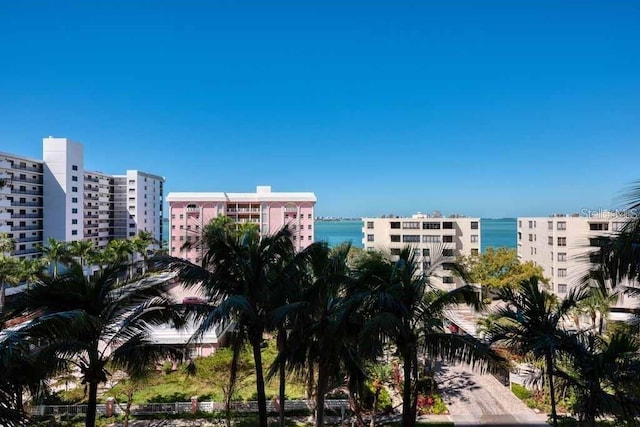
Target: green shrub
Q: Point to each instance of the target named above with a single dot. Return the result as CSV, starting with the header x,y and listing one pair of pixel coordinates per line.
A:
x,y
520,391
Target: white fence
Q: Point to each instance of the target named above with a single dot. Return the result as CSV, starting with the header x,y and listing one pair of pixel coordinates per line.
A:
x,y
338,405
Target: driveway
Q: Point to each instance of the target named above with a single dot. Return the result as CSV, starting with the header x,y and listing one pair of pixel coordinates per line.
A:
x,y
475,399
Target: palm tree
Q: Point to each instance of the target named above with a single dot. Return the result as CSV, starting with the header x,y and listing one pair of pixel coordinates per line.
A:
x,y
238,274
602,373
325,328
9,275
619,254
82,249
597,304
120,251
141,244
408,310
92,322
532,323
55,253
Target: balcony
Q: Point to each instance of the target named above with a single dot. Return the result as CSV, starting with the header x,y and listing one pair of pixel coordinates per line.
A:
x,y
17,166
86,215
29,251
37,181
29,192
91,225
28,239
34,204
27,228
5,165
26,216
5,203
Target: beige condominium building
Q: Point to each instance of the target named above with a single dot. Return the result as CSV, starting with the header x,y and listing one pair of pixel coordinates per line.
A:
x,y
431,235
561,244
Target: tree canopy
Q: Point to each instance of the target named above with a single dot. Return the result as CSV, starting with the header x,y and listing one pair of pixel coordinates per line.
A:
x,y
500,268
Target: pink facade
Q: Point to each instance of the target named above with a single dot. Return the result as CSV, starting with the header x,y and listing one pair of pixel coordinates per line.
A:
x,y
190,212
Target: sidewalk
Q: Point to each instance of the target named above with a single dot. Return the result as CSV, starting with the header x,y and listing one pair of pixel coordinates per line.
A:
x,y
475,399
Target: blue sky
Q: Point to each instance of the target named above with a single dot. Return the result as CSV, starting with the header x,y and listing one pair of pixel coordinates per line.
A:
x,y
480,107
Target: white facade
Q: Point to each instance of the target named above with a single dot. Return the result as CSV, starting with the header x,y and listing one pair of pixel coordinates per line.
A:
x,y
21,203
56,197
64,189
431,235
561,245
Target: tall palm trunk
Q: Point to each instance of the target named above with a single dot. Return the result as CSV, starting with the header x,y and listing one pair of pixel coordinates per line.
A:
x,y
554,415
282,343
3,294
262,400
414,395
323,383
406,390
91,403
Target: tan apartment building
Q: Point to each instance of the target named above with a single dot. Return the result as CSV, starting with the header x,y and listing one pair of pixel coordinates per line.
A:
x,y
561,245
430,235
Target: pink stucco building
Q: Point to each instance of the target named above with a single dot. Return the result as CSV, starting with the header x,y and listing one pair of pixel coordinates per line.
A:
x,y
190,212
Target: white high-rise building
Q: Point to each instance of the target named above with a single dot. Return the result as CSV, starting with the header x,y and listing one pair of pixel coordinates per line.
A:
x,y
56,197
562,244
429,235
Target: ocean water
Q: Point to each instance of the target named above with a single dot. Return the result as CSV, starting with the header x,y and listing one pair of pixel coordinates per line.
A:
x,y
494,232
336,232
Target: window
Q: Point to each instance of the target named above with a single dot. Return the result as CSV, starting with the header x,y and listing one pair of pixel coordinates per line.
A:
x,y
562,272
309,216
74,210
447,279
132,225
534,251
412,225
549,225
74,178
369,225
447,239
520,224
598,241
74,232
395,251
410,238
447,225
519,235
599,226
447,252
75,221
426,252
430,239
431,226
551,256
474,251
395,238
474,238
550,240
74,200
74,189
562,288
369,237
562,241
309,227
562,256
531,237
474,225
426,265
74,167
561,225
530,224
395,224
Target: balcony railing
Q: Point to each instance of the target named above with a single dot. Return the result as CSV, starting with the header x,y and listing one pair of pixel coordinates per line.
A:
x,y
26,216
30,192
26,204
26,227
